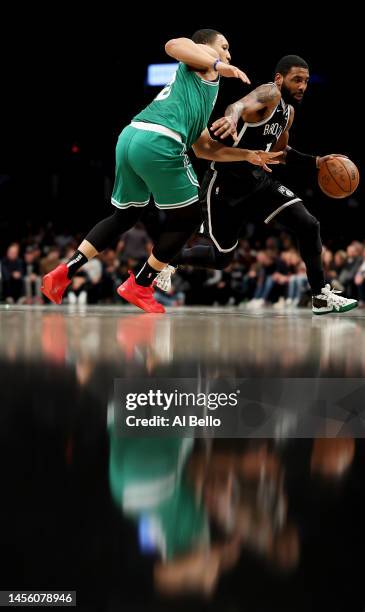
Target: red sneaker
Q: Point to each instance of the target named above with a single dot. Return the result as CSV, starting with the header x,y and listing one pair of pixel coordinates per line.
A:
x,y
138,295
55,283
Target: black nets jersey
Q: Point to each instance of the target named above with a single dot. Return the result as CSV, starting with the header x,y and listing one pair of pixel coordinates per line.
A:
x,y
262,135
230,190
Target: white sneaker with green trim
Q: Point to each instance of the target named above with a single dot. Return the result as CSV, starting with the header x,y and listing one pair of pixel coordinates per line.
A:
x,y
329,301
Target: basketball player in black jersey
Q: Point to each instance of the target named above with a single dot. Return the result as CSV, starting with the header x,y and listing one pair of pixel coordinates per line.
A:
x,y
261,120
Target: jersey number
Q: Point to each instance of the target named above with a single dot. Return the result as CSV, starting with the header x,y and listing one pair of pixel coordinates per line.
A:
x,y
165,92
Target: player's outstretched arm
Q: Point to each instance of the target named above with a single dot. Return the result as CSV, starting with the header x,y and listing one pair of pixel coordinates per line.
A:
x,y
207,148
186,51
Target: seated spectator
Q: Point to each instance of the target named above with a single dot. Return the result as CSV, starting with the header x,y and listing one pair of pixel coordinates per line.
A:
x,y
244,254
360,283
236,274
77,292
94,271
134,244
111,276
346,277
32,278
261,271
328,265
298,282
12,274
280,277
50,261
216,287
339,260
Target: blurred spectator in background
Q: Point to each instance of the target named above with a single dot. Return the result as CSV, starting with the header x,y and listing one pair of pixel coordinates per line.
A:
x,y
32,277
12,274
360,282
346,277
51,260
264,271
328,265
134,244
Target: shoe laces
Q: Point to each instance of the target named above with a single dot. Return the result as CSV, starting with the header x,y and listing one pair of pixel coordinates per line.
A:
x,y
332,297
163,278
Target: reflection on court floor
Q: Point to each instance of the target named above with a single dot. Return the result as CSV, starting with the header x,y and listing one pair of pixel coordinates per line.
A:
x,y
230,524
257,344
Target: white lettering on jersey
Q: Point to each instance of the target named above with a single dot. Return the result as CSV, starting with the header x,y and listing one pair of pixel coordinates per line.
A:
x,y
165,92
285,191
273,129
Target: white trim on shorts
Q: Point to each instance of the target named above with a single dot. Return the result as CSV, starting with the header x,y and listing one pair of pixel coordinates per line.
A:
x,y
191,177
155,127
187,165
128,204
276,212
211,184
179,204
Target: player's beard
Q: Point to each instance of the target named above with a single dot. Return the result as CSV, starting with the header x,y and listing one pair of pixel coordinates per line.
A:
x,y
289,98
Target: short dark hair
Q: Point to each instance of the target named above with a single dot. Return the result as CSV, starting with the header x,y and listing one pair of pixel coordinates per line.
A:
x,y
288,61
204,37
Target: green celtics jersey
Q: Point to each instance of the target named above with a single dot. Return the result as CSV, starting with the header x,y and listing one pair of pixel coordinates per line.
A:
x,y
184,105
147,482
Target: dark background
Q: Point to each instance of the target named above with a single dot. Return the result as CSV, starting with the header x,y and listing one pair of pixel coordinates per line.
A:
x,y
70,82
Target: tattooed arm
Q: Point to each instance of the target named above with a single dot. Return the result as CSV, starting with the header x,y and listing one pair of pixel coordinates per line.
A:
x,y
253,107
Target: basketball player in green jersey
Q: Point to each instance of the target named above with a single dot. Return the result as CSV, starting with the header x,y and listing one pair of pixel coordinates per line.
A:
x,y
151,160
165,501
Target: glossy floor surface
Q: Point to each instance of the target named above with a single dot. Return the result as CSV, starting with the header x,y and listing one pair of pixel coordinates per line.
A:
x,y
273,520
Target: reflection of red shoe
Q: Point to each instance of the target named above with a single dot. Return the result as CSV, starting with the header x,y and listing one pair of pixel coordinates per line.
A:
x,y
138,295
54,338
55,283
136,332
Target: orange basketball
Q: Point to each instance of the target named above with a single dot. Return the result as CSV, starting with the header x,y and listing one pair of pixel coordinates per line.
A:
x,y
338,177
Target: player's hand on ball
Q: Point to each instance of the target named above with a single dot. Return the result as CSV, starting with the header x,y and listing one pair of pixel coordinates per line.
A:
x,y
325,158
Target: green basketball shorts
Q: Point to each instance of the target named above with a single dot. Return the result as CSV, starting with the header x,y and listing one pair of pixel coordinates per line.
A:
x,y
150,162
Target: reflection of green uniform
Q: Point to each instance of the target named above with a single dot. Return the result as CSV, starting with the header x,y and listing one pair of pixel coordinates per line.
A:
x,y
146,481
151,152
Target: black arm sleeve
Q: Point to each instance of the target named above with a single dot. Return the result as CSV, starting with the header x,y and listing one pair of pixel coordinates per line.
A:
x,y
296,158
